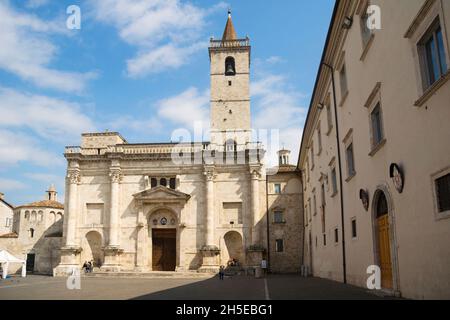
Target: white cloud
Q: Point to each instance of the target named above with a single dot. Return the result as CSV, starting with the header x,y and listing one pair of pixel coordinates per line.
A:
x,y
47,178
186,108
138,125
18,147
162,58
274,60
276,106
48,117
11,185
36,3
27,51
165,32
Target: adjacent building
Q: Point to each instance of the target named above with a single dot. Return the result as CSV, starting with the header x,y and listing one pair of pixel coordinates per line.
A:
x,y
37,233
375,152
285,224
6,215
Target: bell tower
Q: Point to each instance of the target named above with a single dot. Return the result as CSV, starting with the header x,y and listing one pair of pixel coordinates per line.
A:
x,y
230,92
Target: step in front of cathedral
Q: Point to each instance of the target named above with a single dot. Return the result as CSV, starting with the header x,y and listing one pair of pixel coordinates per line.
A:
x,y
150,274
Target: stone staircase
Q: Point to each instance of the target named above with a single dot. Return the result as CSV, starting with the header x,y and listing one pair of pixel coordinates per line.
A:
x,y
149,274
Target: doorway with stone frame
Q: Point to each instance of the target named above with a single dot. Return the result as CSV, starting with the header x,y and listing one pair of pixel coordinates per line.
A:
x,y
384,239
163,244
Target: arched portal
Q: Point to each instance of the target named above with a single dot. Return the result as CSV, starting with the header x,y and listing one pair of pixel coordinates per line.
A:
x,y
92,248
233,248
385,239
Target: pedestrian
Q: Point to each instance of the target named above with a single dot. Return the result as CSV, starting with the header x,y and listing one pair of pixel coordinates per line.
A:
x,y
264,266
221,272
85,267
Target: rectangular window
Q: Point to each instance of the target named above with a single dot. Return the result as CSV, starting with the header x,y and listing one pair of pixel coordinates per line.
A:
x,y
309,207
173,183
306,215
319,138
324,239
343,81
277,188
350,161
322,193
279,246
354,233
231,213
377,127
366,33
8,222
315,203
329,117
307,170
443,193
336,235
312,156
278,217
94,214
433,55
334,180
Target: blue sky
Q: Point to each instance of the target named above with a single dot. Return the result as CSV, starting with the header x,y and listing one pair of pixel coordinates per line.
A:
x,y
139,67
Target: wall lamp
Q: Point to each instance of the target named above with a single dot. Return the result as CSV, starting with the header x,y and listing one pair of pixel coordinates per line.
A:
x,y
348,22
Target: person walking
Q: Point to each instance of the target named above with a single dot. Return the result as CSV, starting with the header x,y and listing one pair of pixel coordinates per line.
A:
x,y
221,272
264,266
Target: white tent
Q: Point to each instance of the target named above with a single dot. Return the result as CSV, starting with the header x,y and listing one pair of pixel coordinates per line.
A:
x,y
6,258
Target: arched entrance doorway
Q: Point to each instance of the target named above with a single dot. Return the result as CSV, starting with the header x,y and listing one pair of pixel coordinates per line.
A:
x,y
163,233
92,248
383,237
233,248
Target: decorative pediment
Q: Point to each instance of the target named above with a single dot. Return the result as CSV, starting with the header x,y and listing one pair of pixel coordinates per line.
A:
x,y
161,193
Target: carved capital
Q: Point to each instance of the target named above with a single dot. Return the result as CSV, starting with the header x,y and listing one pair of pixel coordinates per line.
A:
x,y
210,175
74,176
115,175
255,173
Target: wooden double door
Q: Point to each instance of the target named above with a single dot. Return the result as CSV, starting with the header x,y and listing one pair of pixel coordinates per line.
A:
x,y
384,246
164,249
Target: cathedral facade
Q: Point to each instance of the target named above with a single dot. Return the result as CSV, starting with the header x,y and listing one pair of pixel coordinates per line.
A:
x,y
185,206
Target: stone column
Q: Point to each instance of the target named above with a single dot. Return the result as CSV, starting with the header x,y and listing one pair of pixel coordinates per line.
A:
x,y
116,176
209,236
255,251
71,214
210,251
112,250
255,207
70,251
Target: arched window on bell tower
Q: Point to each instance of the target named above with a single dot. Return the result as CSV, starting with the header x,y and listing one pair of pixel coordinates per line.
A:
x,y
230,66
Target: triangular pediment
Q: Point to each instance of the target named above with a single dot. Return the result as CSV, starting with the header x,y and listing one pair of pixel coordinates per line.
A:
x,y
161,193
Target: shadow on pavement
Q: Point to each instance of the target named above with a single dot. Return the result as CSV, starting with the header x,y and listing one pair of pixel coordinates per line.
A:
x,y
279,287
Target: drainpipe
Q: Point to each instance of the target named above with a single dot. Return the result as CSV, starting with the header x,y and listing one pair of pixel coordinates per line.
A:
x,y
344,262
269,265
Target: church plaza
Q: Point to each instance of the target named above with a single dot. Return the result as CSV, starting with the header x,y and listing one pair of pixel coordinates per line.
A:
x,y
274,287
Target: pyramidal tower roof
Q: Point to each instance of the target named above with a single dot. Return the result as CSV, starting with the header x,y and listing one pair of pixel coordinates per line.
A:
x,y
230,32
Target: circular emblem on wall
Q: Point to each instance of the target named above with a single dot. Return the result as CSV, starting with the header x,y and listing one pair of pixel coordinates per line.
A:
x,y
163,221
364,196
155,222
396,174
172,221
